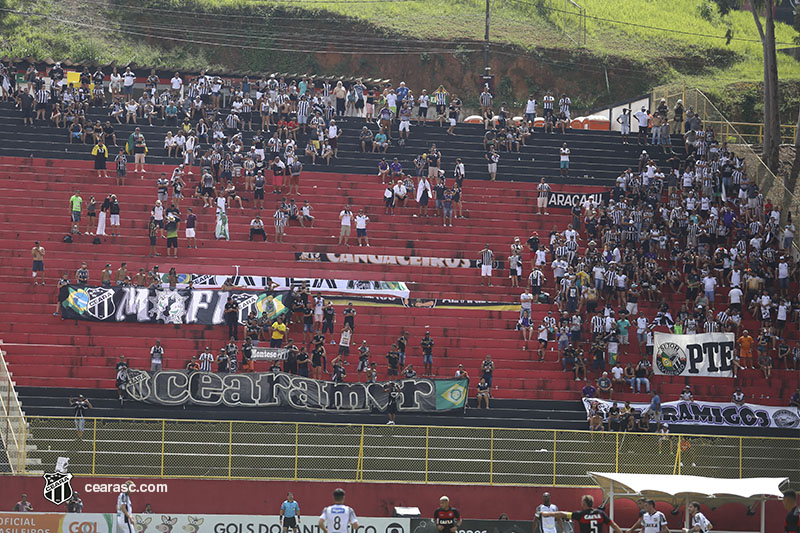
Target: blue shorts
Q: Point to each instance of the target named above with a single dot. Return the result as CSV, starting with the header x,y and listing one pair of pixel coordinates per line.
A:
x,y
565,164
127,89
76,216
361,232
427,358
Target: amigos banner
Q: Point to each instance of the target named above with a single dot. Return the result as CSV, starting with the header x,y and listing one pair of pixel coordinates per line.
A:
x,y
699,413
181,387
164,306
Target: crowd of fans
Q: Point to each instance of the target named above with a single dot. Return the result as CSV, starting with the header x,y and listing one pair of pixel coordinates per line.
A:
x,y
674,235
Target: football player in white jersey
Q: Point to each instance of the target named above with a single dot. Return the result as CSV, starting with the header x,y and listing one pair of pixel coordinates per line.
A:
x,y
548,524
700,523
125,509
653,521
335,518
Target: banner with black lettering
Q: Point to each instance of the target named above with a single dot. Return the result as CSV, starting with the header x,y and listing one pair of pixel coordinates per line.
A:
x,y
427,525
400,260
165,306
698,413
704,354
567,200
276,389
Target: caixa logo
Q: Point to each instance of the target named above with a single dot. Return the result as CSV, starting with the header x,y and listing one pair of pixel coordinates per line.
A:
x,y
82,527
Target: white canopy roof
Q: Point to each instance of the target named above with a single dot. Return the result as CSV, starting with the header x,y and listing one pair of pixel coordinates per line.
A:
x,y
680,488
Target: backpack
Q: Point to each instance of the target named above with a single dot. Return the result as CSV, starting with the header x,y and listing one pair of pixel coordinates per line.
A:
x,y
96,240
67,238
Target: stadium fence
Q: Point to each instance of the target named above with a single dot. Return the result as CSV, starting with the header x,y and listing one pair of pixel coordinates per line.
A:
x,y
381,453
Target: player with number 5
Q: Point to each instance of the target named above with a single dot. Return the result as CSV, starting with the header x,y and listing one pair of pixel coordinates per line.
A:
x,y
589,519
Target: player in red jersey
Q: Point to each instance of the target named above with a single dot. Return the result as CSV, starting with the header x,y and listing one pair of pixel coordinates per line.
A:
x,y
447,518
589,519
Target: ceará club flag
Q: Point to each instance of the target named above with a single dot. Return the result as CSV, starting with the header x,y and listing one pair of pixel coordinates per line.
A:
x,y
703,354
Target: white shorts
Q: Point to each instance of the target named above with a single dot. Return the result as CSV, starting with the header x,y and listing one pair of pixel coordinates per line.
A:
x,y
542,202
123,526
405,125
452,122
625,129
486,270
190,233
115,220
492,168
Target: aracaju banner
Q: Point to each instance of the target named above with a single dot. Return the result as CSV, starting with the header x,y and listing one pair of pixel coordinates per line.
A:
x,y
164,306
703,354
699,413
269,389
567,200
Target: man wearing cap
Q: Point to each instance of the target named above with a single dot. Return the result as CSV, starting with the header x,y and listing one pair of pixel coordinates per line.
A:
x,y
125,509
80,406
644,119
205,360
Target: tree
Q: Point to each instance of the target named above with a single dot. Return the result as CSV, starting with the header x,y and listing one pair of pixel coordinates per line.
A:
x,y
766,31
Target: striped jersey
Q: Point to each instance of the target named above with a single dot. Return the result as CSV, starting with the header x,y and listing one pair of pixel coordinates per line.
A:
x,y
487,256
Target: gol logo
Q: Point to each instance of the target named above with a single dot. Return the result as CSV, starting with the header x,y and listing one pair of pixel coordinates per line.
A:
x,y
83,527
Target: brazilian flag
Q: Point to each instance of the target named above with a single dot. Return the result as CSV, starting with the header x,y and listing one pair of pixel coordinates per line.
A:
x,y
75,300
451,393
271,306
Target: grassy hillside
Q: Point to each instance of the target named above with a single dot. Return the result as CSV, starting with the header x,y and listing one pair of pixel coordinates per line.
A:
x,y
690,34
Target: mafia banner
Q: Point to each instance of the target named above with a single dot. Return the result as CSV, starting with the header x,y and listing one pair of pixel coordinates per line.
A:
x,y
567,200
276,389
704,354
401,260
165,306
698,413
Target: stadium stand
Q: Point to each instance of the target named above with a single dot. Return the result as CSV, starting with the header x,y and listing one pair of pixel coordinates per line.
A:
x,y
49,357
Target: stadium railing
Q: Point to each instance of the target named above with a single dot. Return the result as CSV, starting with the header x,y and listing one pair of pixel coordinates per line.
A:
x,y
13,424
385,453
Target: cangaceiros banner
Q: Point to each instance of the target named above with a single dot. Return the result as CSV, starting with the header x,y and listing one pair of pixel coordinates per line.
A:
x,y
277,389
192,523
401,260
699,413
703,354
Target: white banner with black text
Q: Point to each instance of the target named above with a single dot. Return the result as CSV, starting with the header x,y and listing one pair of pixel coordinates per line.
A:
x,y
703,354
698,413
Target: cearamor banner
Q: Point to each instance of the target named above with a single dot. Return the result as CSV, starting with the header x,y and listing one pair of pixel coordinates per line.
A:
x,y
401,260
276,389
703,354
164,306
185,523
699,413
569,200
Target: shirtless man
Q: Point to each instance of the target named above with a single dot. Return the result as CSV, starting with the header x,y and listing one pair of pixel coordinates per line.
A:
x,y
37,252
